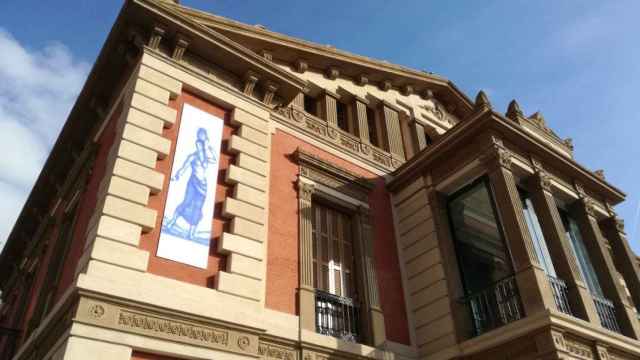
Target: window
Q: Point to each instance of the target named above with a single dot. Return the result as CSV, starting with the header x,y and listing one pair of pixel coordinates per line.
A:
x,y
310,105
483,258
341,116
539,242
580,252
333,251
373,127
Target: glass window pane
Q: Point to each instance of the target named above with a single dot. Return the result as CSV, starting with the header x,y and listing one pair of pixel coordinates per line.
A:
x,y
539,242
482,253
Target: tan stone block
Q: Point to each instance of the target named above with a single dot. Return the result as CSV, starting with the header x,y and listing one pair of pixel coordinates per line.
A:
x,y
426,278
254,135
242,145
239,285
145,121
426,243
128,190
152,107
433,311
117,253
140,174
161,80
118,230
248,229
416,203
250,195
414,220
155,142
236,175
233,207
241,117
408,191
423,262
410,236
152,91
435,330
79,348
138,154
130,211
429,294
441,344
246,266
252,164
230,243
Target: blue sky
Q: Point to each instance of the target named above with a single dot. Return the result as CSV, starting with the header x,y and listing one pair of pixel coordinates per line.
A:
x,y
576,61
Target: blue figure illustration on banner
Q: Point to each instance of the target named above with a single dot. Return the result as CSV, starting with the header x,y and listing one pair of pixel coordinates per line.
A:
x,y
187,219
190,209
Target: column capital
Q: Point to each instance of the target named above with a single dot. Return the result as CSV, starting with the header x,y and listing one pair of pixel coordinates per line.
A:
x,y
305,190
496,156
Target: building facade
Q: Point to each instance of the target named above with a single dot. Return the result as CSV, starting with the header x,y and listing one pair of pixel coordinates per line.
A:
x,y
221,191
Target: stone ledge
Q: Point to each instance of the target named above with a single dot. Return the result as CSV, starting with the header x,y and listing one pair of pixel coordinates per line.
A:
x,y
239,285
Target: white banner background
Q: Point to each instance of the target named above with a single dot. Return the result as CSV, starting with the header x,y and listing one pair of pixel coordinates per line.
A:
x,y
185,235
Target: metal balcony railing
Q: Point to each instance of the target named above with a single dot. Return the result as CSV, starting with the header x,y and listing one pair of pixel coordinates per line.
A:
x,y
560,294
495,306
606,312
337,316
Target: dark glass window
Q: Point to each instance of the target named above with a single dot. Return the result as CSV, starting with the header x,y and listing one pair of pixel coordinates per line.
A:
x,y
581,254
373,128
482,254
539,242
310,105
428,139
341,114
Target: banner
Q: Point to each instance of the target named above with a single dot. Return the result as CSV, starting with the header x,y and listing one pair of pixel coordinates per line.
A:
x,y
188,213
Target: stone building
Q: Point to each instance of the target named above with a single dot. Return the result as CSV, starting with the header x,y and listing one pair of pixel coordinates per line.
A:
x,y
221,191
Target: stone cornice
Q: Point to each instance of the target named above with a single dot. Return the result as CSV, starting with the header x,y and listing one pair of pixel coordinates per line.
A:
x,y
489,120
336,174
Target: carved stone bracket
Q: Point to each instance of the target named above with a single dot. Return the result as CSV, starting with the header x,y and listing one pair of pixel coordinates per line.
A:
x,y
386,85
332,72
497,155
362,80
250,81
270,92
180,47
156,36
301,66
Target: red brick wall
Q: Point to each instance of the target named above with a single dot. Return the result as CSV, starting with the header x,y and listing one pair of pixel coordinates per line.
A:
x,y
149,241
282,258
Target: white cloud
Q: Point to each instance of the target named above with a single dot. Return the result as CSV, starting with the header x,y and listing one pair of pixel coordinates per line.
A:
x,y
37,90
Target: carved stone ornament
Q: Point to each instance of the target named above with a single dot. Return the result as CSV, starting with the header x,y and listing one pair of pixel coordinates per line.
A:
x,y
513,111
243,342
543,180
428,94
96,310
589,206
580,190
272,351
619,224
362,80
434,109
306,190
482,101
156,36
599,173
497,156
332,72
180,46
407,90
301,66
568,142
386,85
250,81
270,93
579,350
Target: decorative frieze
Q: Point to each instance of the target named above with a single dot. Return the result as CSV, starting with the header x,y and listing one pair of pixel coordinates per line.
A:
x,y
319,128
579,350
272,351
128,319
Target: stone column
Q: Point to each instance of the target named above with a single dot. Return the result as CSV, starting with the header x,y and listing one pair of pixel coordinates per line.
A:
x,y
370,280
624,258
363,124
306,292
394,136
328,109
298,101
555,235
603,263
420,140
535,292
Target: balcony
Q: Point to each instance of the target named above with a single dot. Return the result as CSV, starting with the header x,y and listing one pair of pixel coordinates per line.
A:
x,y
607,313
337,316
495,306
560,294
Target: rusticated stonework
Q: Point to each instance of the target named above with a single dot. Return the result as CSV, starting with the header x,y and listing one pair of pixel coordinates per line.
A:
x,y
578,349
126,318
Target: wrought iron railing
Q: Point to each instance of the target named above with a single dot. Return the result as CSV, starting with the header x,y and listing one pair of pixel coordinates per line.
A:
x,y
560,294
495,306
337,316
606,312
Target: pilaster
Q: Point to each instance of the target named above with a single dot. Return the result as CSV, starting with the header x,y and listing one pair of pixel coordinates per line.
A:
x,y
420,140
624,258
533,285
363,124
393,132
554,233
601,258
328,109
306,292
376,317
